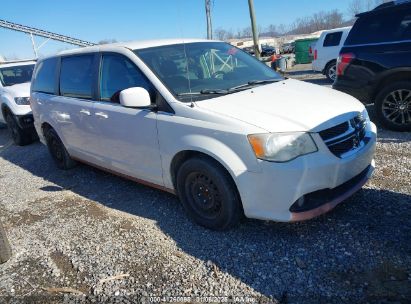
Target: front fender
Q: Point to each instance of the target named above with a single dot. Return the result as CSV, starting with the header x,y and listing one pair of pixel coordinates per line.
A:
x,y
230,148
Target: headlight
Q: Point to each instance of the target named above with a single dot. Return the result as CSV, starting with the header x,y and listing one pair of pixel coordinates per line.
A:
x,y
22,101
282,147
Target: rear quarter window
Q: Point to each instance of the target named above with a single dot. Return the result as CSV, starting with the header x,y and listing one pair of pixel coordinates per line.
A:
x,y
44,79
332,39
76,76
380,28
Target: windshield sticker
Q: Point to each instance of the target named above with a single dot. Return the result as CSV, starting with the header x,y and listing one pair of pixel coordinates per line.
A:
x,y
232,51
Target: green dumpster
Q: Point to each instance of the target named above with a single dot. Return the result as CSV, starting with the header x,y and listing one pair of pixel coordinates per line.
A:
x,y
302,50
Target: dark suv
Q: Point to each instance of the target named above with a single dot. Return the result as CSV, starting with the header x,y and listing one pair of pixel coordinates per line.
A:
x,y
375,63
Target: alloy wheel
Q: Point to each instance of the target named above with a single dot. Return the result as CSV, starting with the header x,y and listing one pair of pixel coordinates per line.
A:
x,y
396,107
332,72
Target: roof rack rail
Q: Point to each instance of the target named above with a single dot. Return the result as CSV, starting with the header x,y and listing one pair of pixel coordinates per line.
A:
x,y
386,5
391,3
16,61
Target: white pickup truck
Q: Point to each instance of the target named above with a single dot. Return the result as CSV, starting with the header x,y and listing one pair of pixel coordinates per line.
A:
x,y
15,78
327,49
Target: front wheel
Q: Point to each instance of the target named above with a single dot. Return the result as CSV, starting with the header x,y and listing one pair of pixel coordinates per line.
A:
x,y
208,194
21,137
393,106
331,71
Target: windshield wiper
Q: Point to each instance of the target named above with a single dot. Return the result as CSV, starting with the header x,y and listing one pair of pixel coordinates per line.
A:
x,y
230,90
205,92
253,83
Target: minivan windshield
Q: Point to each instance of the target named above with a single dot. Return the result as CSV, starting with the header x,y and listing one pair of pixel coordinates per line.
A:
x,y
15,75
203,70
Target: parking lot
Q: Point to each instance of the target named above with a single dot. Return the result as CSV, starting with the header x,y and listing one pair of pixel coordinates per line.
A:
x,y
86,234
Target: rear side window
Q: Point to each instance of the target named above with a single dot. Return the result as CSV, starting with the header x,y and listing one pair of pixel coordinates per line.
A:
x,y
119,73
76,76
332,39
44,79
380,28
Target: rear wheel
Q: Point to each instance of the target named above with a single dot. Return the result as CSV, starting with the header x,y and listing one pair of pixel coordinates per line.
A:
x,y
21,137
331,71
58,151
208,194
393,106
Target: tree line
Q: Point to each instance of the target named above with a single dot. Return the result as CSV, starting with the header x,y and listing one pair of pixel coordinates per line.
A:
x,y
322,20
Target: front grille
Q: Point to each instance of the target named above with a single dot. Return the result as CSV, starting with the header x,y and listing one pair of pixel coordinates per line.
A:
x,y
345,137
334,131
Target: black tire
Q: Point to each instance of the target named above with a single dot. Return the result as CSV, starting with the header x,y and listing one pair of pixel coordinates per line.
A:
x,y
58,151
20,136
208,194
393,106
331,71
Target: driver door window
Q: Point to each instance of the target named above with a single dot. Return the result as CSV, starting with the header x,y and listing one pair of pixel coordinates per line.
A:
x,y
118,73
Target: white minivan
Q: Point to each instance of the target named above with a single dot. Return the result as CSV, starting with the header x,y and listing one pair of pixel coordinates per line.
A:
x,y
327,49
208,122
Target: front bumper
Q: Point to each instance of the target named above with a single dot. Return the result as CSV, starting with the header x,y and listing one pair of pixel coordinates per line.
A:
x,y
322,201
269,194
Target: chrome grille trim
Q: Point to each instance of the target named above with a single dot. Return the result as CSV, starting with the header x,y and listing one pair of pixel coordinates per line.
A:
x,y
350,140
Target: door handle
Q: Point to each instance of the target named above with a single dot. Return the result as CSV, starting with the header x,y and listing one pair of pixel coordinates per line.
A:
x,y
101,115
85,112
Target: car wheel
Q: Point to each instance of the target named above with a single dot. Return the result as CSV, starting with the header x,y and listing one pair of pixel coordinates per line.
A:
x,y
208,194
331,71
393,106
58,151
20,136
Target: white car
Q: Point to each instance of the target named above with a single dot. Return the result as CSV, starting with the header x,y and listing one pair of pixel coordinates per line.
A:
x,y
15,80
327,50
208,122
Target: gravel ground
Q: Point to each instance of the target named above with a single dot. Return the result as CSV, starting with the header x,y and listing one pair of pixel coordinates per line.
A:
x,y
74,229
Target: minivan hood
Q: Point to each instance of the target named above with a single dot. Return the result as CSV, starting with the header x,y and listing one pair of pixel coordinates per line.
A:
x,y
19,90
287,106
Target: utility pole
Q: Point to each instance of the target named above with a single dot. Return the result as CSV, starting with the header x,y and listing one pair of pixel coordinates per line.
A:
x,y
5,250
254,29
209,24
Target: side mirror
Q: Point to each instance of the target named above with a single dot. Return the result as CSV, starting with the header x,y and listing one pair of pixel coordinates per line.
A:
x,y
135,98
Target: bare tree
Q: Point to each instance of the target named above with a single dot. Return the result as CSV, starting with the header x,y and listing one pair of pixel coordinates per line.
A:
x,y
271,30
317,22
354,8
333,19
224,35
247,32
305,25
282,29
358,6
